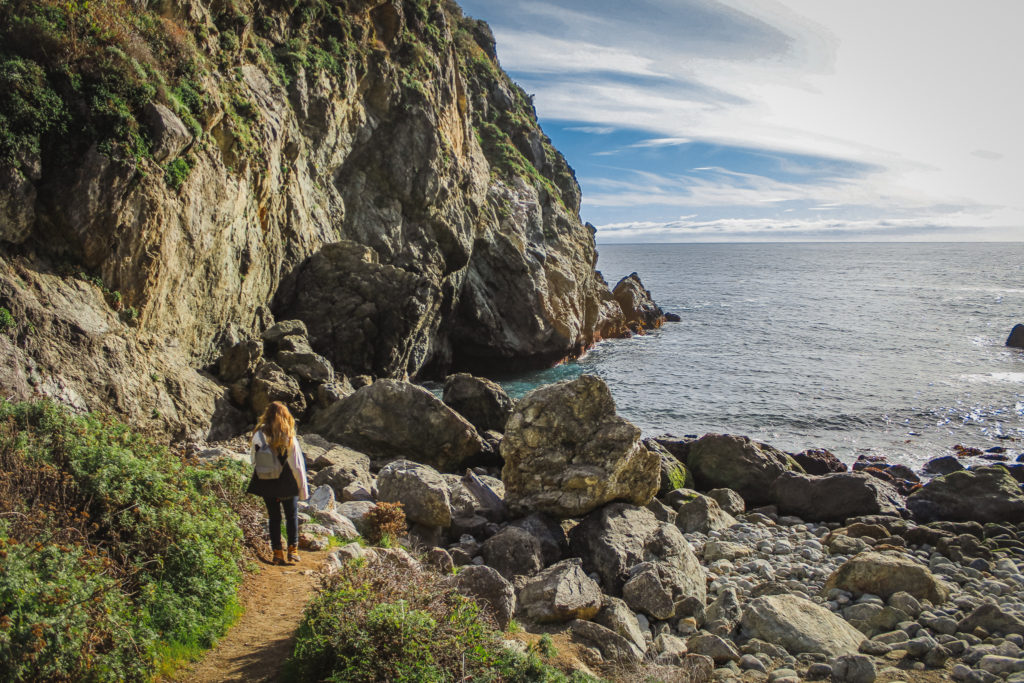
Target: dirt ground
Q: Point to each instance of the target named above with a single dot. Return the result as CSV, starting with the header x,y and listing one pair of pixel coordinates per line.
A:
x,y
257,646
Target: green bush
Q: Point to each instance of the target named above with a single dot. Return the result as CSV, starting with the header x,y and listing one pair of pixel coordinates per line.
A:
x,y
7,321
176,172
375,622
128,552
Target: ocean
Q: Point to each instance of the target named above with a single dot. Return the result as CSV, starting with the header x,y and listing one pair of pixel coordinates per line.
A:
x,y
881,349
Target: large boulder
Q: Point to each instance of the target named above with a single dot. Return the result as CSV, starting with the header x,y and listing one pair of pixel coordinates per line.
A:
x,y
560,593
945,464
738,463
169,134
637,304
420,489
464,503
487,586
483,402
834,497
390,420
616,615
513,552
1016,338
986,494
658,590
612,646
702,514
618,537
566,452
885,573
799,626
239,360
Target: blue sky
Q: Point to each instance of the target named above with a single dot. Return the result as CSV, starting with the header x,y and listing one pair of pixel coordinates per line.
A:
x,y
774,120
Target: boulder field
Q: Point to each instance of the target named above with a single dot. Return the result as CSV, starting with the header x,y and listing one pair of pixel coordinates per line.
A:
x,y
717,556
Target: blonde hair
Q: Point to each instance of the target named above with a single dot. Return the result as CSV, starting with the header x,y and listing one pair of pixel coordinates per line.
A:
x,y
277,425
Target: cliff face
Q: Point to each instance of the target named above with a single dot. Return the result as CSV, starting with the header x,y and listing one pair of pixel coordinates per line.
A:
x,y
188,170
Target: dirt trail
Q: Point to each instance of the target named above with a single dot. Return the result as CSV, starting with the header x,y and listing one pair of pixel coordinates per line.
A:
x,y
256,647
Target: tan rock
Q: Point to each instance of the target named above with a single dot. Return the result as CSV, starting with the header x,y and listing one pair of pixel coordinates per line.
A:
x,y
885,573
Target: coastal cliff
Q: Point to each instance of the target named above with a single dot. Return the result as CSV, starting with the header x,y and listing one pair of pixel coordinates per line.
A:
x,y
175,176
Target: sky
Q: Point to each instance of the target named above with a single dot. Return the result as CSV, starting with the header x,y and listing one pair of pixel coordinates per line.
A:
x,y
779,120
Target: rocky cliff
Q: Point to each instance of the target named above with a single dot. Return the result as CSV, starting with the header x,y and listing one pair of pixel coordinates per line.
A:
x,y
177,174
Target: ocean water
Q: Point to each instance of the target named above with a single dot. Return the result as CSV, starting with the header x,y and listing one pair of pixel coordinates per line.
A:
x,y
887,349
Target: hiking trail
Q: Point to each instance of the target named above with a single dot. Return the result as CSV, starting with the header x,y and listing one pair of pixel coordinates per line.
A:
x,y
259,643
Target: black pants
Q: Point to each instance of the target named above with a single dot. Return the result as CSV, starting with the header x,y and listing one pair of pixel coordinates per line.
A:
x,y
274,506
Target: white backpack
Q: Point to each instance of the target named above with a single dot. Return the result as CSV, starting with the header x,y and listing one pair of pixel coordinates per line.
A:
x,y
268,464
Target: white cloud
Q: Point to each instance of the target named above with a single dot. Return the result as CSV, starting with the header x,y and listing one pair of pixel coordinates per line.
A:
x,y
927,93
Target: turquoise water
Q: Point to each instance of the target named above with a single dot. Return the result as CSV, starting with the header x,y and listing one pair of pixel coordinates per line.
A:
x,y
894,349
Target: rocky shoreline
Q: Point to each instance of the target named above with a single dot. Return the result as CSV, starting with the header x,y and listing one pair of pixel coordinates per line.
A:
x,y
711,558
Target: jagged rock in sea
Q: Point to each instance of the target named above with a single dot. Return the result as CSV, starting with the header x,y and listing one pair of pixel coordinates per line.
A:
x,y
567,452
369,170
637,304
1016,338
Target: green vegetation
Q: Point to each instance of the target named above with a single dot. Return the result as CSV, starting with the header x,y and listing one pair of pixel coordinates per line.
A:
x,y
372,622
83,71
176,172
680,477
115,557
7,321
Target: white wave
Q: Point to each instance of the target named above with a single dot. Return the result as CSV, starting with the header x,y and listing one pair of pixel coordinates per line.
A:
x,y
1013,377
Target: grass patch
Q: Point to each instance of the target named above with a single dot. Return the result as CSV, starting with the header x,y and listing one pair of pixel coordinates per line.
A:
x,y
176,172
7,321
118,559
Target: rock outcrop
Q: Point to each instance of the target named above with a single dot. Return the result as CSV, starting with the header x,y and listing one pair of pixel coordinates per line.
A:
x,y
395,193
567,452
483,402
637,304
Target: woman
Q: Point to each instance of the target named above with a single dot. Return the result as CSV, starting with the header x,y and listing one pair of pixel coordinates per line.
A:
x,y
276,429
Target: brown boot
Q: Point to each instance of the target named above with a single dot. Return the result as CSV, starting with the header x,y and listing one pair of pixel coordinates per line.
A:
x,y
293,553
279,557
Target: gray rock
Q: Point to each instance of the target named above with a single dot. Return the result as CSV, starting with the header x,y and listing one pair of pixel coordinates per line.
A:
x,y
616,538
1000,666
730,501
306,365
834,497
338,525
737,463
886,573
618,617
356,512
799,625
655,589
566,452
489,588
946,464
239,360
560,593
321,498
670,650
271,383
993,619
274,334
853,669
612,646
725,550
170,135
420,489
390,420
703,515
725,608
985,494
513,552
709,645
905,602
554,544
483,402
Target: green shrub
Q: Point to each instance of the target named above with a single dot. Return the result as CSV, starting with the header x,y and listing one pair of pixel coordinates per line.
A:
x,y
7,321
176,172
97,511
375,622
